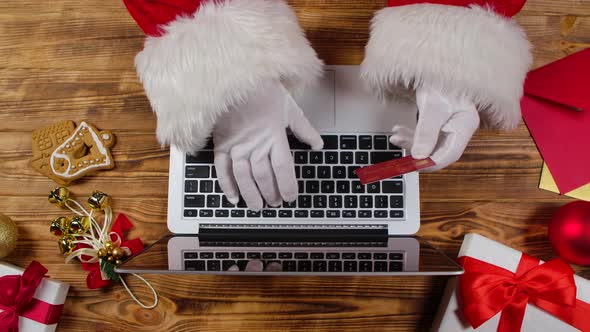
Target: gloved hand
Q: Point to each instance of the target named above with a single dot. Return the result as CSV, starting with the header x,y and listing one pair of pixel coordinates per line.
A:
x,y
252,154
445,126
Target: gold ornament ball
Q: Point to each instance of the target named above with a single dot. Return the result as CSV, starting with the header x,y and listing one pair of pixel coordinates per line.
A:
x,y
118,252
109,245
8,236
111,259
118,262
102,253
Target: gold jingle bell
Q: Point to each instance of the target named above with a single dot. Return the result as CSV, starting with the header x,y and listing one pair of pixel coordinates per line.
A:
x,y
59,226
66,244
79,225
118,253
98,201
59,196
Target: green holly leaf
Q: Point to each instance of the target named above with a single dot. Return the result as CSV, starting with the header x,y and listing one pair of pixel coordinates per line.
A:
x,y
109,269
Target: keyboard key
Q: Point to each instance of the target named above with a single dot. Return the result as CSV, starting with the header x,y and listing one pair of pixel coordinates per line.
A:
x,y
365,214
269,213
301,186
349,214
191,186
194,265
191,213
361,157
327,187
350,202
316,157
203,157
393,187
351,173
290,205
242,263
226,264
285,214
346,158
330,142
312,187
253,214
304,266
320,266
289,266
380,266
333,214
396,214
396,202
364,255
339,172
191,255
300,157
242,203
269,255
395,266
350,266
381,156
316,255
213,265
335,202
238,255
317,214
206,213
335,266
381,202
365,266
253,255
380,142
298,172
374,188
295,144
222,255
225,203
349,255
218,188
324,172
396,256
221,213
194,201
380,214
331,157
380,255
342,187
333,255
348,142
301,255
366,202
308,172
206,255
365,142
301,214
285,255
213,201
196,172
238,213
357,187
320,201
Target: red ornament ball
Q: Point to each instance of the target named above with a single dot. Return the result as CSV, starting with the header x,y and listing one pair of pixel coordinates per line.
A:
x,y
569,232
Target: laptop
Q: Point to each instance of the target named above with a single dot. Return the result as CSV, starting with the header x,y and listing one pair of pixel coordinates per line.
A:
x,y
336,226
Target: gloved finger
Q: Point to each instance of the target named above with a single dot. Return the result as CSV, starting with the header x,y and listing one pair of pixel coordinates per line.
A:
x,y
458,133
402,136
284,170
273,267
300,125
246,183
254,266
225,177
434,112
265,177
234,268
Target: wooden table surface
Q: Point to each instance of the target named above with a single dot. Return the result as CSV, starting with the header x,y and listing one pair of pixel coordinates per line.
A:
x,y
66,59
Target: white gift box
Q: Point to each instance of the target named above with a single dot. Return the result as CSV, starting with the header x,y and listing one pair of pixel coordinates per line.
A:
x,y
450,317
51,291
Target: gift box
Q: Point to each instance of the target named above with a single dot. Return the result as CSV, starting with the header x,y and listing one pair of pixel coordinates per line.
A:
x,y
503,289
29,302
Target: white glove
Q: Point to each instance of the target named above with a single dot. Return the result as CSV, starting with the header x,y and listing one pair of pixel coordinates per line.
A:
x,y
252,154
445,126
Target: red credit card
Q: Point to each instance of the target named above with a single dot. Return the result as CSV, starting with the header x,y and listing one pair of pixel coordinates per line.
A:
x,y
391,168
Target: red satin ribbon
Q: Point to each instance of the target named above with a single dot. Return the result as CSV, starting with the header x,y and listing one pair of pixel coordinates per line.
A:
x,y
16,299
487,289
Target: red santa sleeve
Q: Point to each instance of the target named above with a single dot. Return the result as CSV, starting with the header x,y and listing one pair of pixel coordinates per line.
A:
x,y
201,57
472,48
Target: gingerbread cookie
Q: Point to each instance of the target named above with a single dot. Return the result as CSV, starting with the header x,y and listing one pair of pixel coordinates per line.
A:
x,y
65,153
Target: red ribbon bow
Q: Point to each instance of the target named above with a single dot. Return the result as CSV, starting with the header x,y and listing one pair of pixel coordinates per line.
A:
x,y
487,289
120,227
16,299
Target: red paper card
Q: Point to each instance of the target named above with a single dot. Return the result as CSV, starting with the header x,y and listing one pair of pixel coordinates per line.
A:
x,y
391,168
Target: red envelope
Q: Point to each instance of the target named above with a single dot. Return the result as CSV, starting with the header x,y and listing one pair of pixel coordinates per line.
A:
x,y
561,134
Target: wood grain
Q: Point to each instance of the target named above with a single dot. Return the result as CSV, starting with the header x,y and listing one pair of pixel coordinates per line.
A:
x,y
66,59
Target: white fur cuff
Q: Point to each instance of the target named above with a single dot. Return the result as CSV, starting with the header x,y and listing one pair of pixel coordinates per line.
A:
x,y
216,58
463,51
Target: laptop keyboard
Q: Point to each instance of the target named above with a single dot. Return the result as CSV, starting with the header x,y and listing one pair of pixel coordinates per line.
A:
x,y
328,186
297,261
